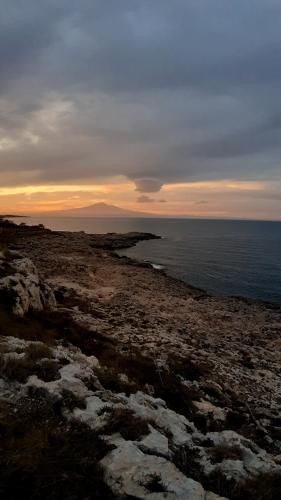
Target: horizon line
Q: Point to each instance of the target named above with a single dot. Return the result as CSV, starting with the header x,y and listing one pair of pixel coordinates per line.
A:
x,y
149,217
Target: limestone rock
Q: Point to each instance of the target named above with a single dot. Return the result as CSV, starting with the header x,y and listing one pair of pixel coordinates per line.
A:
x,y
146,466
207,408
23,290
129,471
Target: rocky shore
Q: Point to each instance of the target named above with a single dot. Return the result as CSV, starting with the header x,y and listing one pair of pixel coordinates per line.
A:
x,y
118,381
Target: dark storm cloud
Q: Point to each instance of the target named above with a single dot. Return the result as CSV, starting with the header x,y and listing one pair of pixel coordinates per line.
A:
x,y
261,137
26,30
157,91
145,199
148,185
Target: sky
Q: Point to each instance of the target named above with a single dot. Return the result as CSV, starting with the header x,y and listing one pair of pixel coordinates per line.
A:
x,y
169,107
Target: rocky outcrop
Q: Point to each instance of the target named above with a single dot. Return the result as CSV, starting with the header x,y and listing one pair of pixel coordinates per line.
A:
x,y
182,389
153,451
129,471
22,290
114,241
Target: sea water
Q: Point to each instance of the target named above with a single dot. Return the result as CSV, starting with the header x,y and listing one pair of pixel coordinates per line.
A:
x,y
224,257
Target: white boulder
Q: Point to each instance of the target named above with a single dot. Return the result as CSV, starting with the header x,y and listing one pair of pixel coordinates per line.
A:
x,y
25,290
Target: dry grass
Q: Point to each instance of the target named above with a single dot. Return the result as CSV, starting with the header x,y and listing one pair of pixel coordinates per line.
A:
x,y
14,368
34,352
154,484
5,267
47,370
111,380
143,372
140,370
69,401
27,328
187,460
126,423
188,368
263,487
42,456
224,452
20,368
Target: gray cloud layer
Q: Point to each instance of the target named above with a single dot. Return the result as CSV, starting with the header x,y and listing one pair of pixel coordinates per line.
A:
x,y
157,91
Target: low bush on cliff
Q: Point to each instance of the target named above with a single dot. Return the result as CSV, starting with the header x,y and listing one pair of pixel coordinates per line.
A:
x,y
34,352
42,456
5,267
15,368
155,484
113,381
27,328
223,452
263,487
142,371
144,374
126,423
20,368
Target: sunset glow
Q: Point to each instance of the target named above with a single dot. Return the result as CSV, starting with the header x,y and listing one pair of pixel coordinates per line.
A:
x,y
143,106
195,199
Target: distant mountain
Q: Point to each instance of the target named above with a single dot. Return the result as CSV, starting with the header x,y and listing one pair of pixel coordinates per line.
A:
x,y
100,210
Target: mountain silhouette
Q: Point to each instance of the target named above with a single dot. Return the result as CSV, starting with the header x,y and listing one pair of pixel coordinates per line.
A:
x,y
101,210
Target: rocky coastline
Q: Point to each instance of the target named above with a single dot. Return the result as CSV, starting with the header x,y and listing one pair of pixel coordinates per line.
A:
x,y
118,381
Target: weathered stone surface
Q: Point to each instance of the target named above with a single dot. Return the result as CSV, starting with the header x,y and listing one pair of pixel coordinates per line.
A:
x,y
207,408
24,290
155,443
252,461
133,465
129,471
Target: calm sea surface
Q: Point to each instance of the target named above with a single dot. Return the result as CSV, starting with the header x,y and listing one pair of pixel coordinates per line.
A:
x,y
222,257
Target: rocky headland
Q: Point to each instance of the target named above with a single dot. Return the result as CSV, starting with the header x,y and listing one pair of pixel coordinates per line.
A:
x,y
118,381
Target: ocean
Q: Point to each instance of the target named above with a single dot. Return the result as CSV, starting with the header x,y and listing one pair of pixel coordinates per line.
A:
x,y
223,257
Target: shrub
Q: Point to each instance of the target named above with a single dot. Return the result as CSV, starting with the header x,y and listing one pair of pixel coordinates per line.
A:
x,y
154,484
27,328
188,368
187,460
47,370
110,379
14,368
70,401
5,267
44,457
264,487
224,452
34,352
20,368
125,422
